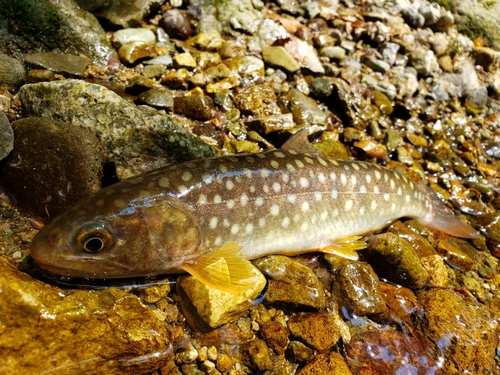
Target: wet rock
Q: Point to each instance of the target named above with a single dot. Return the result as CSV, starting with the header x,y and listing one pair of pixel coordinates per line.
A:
x,y
123,13
332,364
445,22
124,36
291,283
12,73
280,58
59,24
40,75
401,303
436,269
275,335
213,306
159,60
153,70
177,24
419,243
395,259
6,136
445,63
300,352
247,66
256,100
59,62
389,352
40,172
119,334
466,347
198,107
272,124
304,109
158,98
331,147
131,52
382,102
184,60
320,88
318,330
210,41
454,256
259,354
118,124
356,288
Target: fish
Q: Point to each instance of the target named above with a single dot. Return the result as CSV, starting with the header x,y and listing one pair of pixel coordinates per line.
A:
x,y
210,217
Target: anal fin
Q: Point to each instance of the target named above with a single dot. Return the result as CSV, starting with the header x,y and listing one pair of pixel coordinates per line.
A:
x,y
346,247
223,269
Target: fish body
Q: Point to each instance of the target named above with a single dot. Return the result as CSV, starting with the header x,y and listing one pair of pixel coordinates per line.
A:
x,y
178,218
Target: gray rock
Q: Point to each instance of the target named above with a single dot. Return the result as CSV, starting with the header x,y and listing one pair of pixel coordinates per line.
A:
x,y
61,63
376,64
333,52
158,98
389,52
439,44
153,71
161,60
431,13
281,58
424,61
477,97
387,88
6,136
58,24
124,13
438,92
12,73
125,36
40,172
119,125
412,17
304,109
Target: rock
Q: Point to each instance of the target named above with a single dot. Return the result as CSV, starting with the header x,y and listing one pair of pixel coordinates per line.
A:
x,y
424,61
154,70
401,303
488,58
333,52
321,88
356,288
210,41
61,63
465,348
59,24
259,354
272,124
118,124
476,100
304,109
418,242
123,13
280,58
300,352
331,363
395,259
390,352
40,75
124,36
158,98
177,24
318,330
12,73
184,60
376,64
132,51
454,256
198,107
119,334
275,335
6,136
383,103
212,306
256,100
389,52
247,66
444,23
40,172
159,60
412,17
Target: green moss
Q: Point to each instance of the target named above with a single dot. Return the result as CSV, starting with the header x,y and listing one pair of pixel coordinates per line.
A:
x,y
444,3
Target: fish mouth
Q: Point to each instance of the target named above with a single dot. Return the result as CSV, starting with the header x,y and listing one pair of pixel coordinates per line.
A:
x,y
86,268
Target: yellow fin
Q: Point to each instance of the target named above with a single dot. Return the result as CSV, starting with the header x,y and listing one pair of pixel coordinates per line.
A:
x,y
300,143
345,247
223,269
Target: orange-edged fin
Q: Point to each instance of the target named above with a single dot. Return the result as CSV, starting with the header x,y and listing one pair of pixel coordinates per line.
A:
x,y
223,269
300,143
443,219
345,247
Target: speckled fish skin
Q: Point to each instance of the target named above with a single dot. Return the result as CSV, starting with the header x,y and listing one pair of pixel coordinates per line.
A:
x,y
276,202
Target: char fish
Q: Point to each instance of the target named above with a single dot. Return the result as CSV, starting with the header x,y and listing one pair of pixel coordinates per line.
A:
x,y
210,217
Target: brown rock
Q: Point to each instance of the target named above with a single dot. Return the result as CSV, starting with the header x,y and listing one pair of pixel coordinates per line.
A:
x,y
259,355
198,107
177,24
401,303
276,336
465,331
331,364
40,171
44,329
318,329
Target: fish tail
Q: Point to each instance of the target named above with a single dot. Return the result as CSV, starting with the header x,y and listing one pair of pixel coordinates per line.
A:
x,y
443,219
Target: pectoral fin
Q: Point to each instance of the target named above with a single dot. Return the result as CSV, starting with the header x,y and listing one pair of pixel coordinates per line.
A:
x,y
223,269
345,247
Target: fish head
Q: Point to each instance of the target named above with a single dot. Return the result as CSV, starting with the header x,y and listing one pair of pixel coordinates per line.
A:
x,y
130,235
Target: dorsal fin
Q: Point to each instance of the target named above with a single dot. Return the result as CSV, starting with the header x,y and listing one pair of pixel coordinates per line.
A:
x,y
299,143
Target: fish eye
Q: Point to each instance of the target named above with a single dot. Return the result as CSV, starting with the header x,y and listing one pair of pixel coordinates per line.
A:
x,y
93,237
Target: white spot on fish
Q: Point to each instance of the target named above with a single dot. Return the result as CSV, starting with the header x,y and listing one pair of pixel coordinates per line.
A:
x,y
355,166
230,204
274,164
343,178
362,189
285,177
304,182
222,168
259,201
392,183
321,177
412,185
334,194
396,175
292,152
407,199
275,210
324,215
244,199
376,190
333,176
291,198
400,191
279,154
405,179
217,198
361,210
206,177
354,180
363,165
252,189
247,172
305,206
368,178
318,196
186,176
346,167
377,174
299,163
229,185
218,241
265,188
296,218
309,160
182,189
304,226
276,187
235,229
386,196
386,177
393,207
164,182
264,172
262,222
285,223
99,202
226,223
348,204
202,199
290,167
322,161
213,222
250,159
373,205
249,228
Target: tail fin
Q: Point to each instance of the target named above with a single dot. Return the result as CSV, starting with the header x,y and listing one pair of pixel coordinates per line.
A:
x,y
443,219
